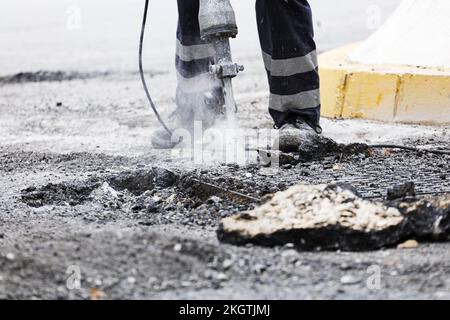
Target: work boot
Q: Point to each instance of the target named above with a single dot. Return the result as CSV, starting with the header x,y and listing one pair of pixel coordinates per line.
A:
x,y
162,139
205,107
298,136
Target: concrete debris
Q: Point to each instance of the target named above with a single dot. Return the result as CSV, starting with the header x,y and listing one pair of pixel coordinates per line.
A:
x,y
349,280
325,147
131,280
410,244
10,256
96,294
140,181
114,190
321,148
58,194
407,189
427,218
333,217
145,203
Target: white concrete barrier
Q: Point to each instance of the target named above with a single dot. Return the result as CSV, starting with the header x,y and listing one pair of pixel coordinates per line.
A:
x,y
401,73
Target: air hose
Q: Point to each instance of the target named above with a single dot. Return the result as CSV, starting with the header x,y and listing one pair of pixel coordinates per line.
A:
x,y
141,70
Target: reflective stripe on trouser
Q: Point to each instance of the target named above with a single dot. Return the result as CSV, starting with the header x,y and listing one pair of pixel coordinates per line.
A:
x,y
193,55
289,52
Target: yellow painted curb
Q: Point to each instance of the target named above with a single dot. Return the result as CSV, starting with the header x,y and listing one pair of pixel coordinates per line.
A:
x,y
389,93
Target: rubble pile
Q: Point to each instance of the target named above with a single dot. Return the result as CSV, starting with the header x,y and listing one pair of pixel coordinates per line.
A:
x,y
334,217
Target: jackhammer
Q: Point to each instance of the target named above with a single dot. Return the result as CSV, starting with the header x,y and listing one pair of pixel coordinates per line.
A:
x,y
217,23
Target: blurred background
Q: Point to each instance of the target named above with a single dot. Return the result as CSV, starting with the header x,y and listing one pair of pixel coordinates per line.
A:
x,y
102,35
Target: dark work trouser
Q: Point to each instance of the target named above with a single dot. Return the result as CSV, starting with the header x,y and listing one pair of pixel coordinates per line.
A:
x,y
289,52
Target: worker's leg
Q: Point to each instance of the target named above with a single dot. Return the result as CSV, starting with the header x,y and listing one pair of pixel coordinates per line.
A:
x,y
286,36
198,93
196,88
